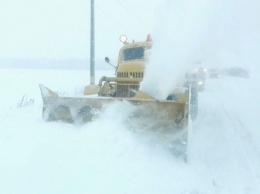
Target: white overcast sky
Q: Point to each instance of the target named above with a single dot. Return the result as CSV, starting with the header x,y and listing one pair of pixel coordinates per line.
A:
x,y
61,28
221,32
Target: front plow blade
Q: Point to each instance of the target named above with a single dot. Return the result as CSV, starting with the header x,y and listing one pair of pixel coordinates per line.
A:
x,y
161,120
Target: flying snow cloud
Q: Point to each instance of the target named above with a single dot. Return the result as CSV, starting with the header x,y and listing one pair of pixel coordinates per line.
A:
x,y
214,33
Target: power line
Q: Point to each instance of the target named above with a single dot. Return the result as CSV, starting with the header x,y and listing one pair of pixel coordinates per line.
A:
x,y
115,20
132,13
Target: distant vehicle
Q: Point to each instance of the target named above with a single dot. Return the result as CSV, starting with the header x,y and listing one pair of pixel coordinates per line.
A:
x,y
237,72
201,72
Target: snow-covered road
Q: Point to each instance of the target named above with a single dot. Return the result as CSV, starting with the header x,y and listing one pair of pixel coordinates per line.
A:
x,y
104,157
226,134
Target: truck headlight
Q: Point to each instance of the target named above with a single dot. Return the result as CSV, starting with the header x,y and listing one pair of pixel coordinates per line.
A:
x,y
123,39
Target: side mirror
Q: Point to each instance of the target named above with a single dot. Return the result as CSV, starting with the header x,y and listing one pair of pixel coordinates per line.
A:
x,y
107,59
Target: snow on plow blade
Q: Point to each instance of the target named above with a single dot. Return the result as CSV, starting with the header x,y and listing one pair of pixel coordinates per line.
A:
x,y
163,120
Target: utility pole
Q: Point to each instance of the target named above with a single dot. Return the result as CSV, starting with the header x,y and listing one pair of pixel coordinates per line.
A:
x,y
92,47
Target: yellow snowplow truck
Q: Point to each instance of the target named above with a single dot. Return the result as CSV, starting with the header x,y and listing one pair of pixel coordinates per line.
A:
x,y
164,120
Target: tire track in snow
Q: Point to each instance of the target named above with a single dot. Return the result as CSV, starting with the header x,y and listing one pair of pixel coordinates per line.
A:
x,y
249,149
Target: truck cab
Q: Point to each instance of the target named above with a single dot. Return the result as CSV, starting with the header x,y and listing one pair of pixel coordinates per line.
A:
x,y
129,70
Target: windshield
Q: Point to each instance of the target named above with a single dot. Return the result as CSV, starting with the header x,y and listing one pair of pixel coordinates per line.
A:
x,y
133,53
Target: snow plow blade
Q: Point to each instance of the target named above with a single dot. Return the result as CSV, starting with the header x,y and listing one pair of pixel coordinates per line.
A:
x,y
164,120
